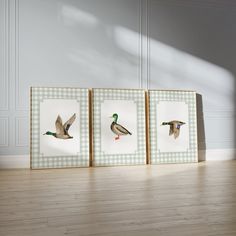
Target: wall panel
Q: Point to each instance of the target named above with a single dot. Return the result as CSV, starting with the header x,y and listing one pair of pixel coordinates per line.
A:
x,y
22,131
187,50
4,127
156,44
4,55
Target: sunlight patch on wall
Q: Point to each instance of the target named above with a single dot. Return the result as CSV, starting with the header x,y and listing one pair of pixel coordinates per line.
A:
x,y
171,68
126,39
110,70
72,16
176,69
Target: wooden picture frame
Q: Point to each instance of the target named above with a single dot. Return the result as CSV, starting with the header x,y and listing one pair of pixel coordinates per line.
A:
x,y
125,107
172,126
59,127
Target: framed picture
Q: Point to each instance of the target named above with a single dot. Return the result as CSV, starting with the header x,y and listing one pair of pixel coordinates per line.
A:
x,y
59,127
172,126
119,133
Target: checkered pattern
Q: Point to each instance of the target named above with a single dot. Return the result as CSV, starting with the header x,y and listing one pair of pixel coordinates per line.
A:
x,y
38,161
189,97
102,159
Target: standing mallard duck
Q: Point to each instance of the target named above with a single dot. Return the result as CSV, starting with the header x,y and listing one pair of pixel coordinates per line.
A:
x,y
62,130
174,127
117,128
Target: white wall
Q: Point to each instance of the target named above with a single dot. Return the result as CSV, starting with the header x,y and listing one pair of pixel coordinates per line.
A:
x,y
192,46
179,44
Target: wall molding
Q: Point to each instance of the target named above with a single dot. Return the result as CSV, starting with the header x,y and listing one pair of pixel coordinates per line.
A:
x,y
18,106
143,40
5,131
18,138
23,161
5,44
143,31
13,41
140,45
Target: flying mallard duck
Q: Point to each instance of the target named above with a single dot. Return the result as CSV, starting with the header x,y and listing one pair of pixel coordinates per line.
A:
x,y
117,128
174,127
62,130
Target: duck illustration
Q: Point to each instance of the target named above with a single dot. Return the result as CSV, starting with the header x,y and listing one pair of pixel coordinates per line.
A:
x,y
62,130
174,127
117,128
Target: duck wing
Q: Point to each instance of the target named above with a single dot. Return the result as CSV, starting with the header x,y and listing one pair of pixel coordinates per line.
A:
x,y
59,126
176,129
122,129
68,123
171,129
176,133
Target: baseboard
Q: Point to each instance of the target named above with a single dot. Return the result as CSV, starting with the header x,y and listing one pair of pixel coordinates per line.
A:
x,y
14,161
23,161
217,155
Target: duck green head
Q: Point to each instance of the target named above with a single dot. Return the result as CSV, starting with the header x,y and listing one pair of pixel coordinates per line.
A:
x,y
50,133
115,117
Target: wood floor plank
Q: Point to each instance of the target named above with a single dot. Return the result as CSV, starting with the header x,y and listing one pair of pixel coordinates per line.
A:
x,y
163,200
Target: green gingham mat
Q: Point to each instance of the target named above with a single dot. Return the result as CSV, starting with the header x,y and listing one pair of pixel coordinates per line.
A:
x,y
189,97
38,161
102,159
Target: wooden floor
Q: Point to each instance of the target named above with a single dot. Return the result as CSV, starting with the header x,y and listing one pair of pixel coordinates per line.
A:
x,y
179,200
